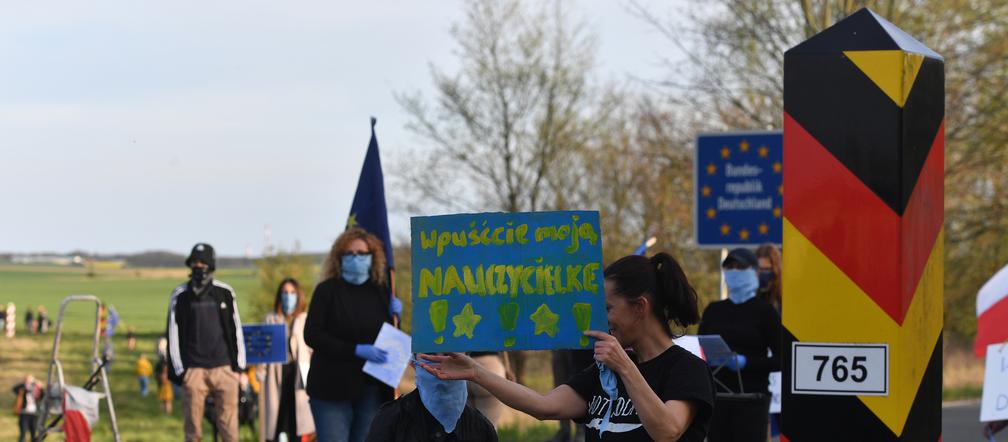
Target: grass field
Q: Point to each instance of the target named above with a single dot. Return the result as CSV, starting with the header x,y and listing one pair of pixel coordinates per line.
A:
x,y
141,298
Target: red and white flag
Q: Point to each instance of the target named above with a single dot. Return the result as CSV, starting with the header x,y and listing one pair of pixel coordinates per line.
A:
x,y
992,312
80,413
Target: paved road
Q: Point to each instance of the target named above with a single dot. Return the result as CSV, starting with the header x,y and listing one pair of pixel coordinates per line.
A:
x,y
960,422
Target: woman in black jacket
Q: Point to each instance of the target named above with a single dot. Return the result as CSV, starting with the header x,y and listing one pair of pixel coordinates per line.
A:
x,y
751,327
347,309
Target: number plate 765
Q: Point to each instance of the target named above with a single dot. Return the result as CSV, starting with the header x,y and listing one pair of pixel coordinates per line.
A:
x,y
840,369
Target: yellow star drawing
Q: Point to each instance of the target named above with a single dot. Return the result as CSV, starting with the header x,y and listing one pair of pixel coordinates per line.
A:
x,y
777,167
763,151
545,321
465,322
711,213
725,229
763,229
705,190
743,146
776,212
725,152
711,169
352,221
780,189
743,234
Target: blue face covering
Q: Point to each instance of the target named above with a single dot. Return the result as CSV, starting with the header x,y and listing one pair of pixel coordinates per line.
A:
x,y
608,380
356,269
445,400
288,302
742,284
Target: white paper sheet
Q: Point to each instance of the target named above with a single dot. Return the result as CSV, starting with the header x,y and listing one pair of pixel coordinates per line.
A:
x,y
775,391
692,344
994,403
397,344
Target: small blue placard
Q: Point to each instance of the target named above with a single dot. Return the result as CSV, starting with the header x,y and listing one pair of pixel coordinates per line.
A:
x,y
506,281
738,189
265,343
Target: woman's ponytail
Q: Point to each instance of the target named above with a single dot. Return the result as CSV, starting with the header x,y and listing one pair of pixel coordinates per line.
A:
x,y
662,280
674,293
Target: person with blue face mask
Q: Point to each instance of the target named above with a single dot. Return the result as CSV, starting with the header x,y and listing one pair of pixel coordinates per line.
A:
x,y
436,412
347,310
752,329
283,399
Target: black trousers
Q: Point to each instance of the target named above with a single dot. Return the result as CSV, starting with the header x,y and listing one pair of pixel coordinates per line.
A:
x,y
287,413
26,425
740,419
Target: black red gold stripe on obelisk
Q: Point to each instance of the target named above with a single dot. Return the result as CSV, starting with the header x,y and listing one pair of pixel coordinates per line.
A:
x,y
863,214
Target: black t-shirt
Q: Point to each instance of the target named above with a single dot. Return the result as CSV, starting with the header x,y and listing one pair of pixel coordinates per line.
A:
x,y
203,340
675,374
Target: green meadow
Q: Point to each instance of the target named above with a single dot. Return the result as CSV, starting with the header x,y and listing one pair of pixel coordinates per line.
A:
x,y
140,296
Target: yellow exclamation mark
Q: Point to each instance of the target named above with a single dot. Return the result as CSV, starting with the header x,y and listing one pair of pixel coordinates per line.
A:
x,y
439,317
582,317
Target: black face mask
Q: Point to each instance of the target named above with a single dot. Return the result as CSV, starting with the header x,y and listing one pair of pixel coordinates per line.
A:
x,y
200,277
765,278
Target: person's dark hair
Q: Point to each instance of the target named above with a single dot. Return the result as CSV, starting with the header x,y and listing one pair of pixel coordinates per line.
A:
x,y
662,280
278,299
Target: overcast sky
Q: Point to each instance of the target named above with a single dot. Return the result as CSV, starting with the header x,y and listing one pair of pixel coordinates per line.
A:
x,y
129,126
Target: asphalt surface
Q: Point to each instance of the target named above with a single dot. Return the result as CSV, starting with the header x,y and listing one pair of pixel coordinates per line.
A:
x,y
961,423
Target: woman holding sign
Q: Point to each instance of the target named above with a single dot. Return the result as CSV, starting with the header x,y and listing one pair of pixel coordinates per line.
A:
x,y
347,310
283,403
659,391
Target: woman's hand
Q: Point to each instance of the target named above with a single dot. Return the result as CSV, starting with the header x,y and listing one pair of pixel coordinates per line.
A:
x,y
609,352
449,366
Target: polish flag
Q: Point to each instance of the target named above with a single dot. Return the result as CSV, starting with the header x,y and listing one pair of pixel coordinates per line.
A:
x,y
992,312
80,412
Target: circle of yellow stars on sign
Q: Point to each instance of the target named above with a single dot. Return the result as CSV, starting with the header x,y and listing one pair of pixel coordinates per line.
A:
x,y
705,191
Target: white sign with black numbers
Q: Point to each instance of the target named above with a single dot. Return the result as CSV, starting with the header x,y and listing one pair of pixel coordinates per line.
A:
x,y
840,369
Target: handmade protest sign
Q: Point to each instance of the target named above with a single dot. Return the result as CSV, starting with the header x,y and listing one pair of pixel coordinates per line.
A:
x,y
994,403
506,281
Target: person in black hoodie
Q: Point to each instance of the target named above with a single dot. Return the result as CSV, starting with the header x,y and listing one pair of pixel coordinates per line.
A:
x,y
751,327
347,310
206,349
435,412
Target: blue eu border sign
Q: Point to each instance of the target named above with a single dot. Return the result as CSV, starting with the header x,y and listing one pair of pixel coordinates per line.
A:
x,y
265,343
738,189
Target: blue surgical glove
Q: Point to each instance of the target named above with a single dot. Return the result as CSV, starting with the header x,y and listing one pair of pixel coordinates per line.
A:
x,y
737,363
371,353
395,307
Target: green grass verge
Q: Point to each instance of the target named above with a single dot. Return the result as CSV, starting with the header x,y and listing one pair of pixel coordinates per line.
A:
x,y
962,393
539,432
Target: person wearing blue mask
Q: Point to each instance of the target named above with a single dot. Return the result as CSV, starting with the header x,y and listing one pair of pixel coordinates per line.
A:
x,y
347,310
655,391
283,401
751,327
436,411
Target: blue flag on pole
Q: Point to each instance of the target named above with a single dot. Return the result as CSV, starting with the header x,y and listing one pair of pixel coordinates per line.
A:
x,y
368,210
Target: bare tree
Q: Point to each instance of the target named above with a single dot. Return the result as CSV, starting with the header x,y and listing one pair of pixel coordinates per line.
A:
x,y
521,100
